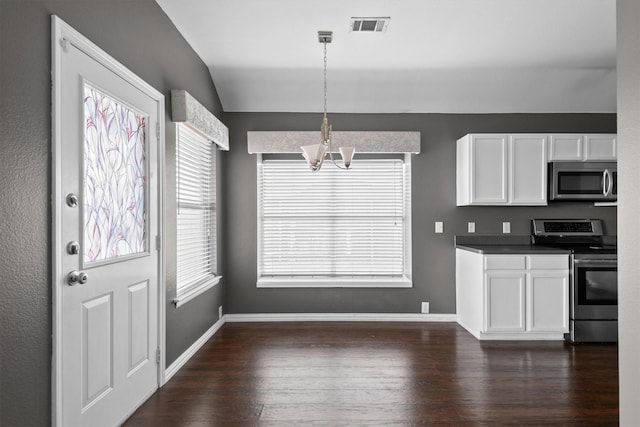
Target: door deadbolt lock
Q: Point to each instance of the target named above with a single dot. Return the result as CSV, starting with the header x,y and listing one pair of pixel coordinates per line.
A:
x,y
77,278
72,200
73,248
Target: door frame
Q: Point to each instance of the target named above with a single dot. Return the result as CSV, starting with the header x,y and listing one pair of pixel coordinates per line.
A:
x,y
61,35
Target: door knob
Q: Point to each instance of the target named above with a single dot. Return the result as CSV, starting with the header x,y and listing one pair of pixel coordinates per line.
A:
x,y
77,277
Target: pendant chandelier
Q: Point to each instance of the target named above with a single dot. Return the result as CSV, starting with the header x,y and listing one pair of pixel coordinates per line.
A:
x,y
316,153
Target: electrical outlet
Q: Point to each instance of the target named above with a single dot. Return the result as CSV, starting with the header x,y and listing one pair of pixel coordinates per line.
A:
x,y
220,312
439,227
471,227
425,307
506,227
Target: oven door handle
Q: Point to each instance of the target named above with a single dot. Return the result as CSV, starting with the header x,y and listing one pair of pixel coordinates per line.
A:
x,y
596,261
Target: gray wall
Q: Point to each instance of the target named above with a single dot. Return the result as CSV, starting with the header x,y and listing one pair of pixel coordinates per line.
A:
x,y
628,25
433,183
138,34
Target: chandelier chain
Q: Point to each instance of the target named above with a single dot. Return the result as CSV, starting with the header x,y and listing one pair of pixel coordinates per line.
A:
x,y
325,78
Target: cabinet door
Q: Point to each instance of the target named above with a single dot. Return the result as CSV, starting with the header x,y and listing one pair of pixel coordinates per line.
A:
x,y
600,147
489,169
565,147
548,301
504,301
528,170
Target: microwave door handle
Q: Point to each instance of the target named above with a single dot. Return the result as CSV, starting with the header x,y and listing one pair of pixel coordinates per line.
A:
x,y
608,183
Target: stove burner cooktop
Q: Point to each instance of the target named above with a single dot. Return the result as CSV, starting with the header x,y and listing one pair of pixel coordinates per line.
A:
x,y
581,236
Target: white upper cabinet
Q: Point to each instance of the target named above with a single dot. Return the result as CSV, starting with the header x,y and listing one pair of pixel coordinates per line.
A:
x,y
582,147
501,169
566,147
600,147
511,169
528,169
483,161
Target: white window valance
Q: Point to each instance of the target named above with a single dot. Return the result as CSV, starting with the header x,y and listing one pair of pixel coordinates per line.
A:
x,y
265,142
185,108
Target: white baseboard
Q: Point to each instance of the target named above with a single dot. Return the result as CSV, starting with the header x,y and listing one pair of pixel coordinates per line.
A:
x,y
184,357
340,317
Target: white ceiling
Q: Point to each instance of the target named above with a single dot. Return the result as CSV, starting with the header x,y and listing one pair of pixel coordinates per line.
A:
x,y
442,56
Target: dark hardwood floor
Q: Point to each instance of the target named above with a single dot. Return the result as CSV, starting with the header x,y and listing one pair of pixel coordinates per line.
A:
x,y
344,374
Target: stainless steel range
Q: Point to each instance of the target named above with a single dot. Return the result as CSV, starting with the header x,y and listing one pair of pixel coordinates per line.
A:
x,y
594,275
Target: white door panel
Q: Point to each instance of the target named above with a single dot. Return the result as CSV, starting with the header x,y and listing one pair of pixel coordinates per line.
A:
x,y
107,158
139,307
97,349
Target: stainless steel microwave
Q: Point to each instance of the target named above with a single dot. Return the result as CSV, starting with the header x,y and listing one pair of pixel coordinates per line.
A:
x,y
595,181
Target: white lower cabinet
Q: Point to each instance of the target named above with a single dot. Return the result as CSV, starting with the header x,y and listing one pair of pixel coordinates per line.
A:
x,y
504,301
512,296
548,301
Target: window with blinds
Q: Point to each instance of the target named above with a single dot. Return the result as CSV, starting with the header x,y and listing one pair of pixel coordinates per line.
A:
x,y
196,216
334,227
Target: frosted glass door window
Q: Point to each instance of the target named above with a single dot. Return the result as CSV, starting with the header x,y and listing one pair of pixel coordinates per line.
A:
x,y
114,179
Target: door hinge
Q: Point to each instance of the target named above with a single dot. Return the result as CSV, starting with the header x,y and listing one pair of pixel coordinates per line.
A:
x,y
157,243
158,356
158,130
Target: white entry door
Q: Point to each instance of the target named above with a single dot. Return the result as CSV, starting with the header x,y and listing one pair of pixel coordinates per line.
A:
x,y
107,221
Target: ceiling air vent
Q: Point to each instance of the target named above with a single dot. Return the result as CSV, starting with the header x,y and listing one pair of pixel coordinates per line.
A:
x,y
369,25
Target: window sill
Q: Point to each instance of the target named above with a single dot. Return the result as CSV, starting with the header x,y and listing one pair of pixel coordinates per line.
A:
x,y
282,282
189,294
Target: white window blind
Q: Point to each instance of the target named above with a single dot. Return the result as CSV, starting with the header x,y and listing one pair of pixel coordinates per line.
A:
x,y
334,226
196,216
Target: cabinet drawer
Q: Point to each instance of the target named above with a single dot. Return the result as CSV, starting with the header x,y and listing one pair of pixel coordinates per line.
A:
x,y
548,262
504,262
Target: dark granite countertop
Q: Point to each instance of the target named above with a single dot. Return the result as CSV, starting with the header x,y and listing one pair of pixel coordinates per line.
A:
x,y
512,249
501,245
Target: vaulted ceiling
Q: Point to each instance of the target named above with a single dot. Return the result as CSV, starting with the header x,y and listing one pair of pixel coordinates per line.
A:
x,y
442,56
